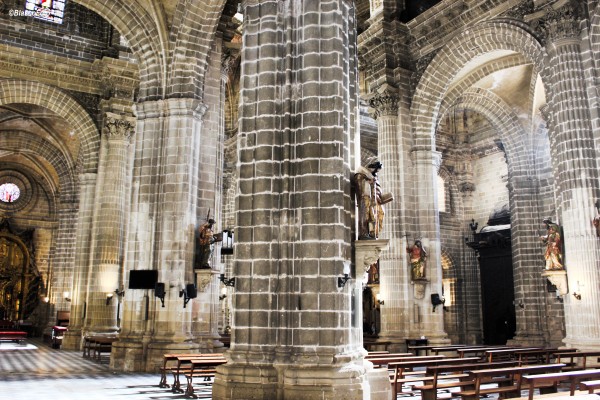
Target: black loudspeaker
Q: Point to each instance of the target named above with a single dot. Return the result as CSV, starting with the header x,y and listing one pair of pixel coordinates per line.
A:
x,y
190,290
436,300
159,289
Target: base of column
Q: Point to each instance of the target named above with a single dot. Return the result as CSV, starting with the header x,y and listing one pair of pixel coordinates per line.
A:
x,y
127,353
71,339
583,344
263,379
527,339
379,382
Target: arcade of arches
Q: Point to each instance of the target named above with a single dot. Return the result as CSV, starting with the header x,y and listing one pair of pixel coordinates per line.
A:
x,y
126,125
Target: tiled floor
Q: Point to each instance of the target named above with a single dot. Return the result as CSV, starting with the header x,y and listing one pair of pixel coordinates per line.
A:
x,y
34,371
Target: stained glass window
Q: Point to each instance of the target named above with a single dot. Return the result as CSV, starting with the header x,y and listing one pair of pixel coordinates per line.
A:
x,y
48,10
9,192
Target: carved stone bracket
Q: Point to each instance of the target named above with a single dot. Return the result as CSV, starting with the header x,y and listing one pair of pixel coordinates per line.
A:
x,y
555,24
367,252
204,277
419,286
558,279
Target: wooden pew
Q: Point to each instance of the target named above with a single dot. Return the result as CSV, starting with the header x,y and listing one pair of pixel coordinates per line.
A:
x,y
478,351
404,368
183,364
506,354
508,380
201,368
379,362
453,376
573,377
539,356
590,386
573,356
95,345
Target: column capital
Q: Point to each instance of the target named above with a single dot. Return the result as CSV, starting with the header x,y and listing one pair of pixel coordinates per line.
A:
x,y
229,57
558,22
119,126
385,103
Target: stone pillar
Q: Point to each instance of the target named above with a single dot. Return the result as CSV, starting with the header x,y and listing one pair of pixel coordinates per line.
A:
x,y
426,227
394,272
576,173
78,289
108,230
295,334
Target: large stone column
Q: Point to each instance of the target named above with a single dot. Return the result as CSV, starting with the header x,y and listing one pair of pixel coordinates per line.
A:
x,y
108,229
78,289
576,172
296,334
161,232
395,288
426,227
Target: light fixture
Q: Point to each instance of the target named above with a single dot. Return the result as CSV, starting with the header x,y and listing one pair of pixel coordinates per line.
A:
x,y
342,280
119,293
379,301
223,293
46,299
159,291
188,293
67,296
577,291
109,297
227,282
436,300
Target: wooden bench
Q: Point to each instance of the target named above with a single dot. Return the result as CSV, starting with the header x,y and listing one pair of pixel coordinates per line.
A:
x,y
573,377
478,351
12,336
402,369
94,346
453,376
183,365
385,360
201,368
538,356
573,356
171,358
590,386
505,354
508,381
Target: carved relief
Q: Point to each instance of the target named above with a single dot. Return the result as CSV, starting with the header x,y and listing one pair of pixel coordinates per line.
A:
x,y
559,24
385,103
117,128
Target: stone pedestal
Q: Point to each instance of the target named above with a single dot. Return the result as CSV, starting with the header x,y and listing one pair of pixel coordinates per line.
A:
x,y
559,279
367,252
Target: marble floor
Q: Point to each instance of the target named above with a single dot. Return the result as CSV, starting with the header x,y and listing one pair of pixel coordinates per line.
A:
x,y
33,370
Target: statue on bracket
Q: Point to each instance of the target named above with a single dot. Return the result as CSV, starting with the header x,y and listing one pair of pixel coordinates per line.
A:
x,y
553,254
418,260
370,199
206,240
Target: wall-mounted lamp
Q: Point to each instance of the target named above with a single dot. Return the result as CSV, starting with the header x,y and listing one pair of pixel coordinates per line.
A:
x,y
473,225
436,300
577,291
46,299
223,293
109,297
67,296
188,293
159,291
378,299
227,282
120,293
342,280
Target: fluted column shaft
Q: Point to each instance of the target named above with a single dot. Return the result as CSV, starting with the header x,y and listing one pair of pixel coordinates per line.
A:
x,y
394,286
108,225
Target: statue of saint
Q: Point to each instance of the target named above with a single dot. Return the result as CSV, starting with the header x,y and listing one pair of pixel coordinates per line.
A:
x,y
418,257
206,240
553,241
370,199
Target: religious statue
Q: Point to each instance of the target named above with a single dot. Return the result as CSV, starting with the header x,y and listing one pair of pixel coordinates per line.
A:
x,y
418,257
596,223
206,240
552,240
370,201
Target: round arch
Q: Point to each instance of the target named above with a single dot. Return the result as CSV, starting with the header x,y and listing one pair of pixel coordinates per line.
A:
x,y
147,37
446,65
53,99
